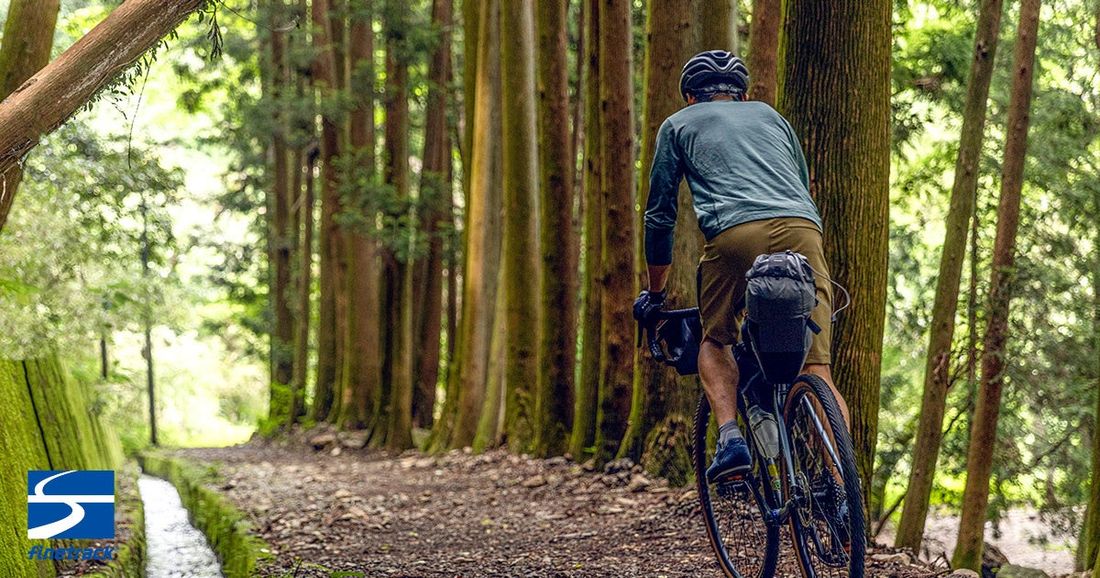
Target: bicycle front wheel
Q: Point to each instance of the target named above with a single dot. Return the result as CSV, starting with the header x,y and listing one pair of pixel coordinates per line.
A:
x,y
827,523
746,547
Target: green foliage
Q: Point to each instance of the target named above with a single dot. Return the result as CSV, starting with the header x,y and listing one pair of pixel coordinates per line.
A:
x,y
69,257
1046,415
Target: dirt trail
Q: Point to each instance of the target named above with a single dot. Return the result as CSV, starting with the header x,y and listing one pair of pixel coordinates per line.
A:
x,y
460,515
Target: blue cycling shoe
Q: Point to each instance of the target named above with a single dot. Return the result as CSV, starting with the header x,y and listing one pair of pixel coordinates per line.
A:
x,y
731,458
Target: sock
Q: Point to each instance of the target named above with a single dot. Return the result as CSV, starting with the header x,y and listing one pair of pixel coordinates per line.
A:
x,y
729,431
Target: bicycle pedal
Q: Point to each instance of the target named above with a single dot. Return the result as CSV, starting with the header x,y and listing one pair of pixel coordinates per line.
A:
x,y
729,487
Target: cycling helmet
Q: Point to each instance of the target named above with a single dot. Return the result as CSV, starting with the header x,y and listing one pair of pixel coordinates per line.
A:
x,y
714,71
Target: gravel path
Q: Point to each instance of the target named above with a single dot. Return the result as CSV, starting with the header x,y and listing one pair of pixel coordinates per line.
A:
x,y
461,515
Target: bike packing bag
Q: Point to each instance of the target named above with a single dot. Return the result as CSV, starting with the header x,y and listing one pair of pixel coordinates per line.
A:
x,y
779,296
679,339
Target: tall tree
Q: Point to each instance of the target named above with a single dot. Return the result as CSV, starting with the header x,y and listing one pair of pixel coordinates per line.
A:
x,y
662,405
303,281
435,193
399,414
517,64
324,79
301,136
717,24
587,389
983,430
70,81
24,50
763,62
483,239
618,241
363,358
444,425
280,234
843,44
1089,543
337,34
942,328
560,259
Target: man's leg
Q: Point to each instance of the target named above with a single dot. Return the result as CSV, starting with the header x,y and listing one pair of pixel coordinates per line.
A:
x,y
719,374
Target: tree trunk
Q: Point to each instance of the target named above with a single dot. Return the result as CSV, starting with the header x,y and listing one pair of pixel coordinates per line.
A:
x,y
303,158
983,431
517,64
25,49
328,341
337,17
717,26
618,239
435,193
763,62
942,331
304,287
558,281
470,51
661,412
363,357
444,425
399,434
50,97
842,44
1089,543
483,236
587,390
490,424
280,235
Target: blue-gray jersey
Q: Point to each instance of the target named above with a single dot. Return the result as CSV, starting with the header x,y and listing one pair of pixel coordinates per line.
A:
x,y
742,162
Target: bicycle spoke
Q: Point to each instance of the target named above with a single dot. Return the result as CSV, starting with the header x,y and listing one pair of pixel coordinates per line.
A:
x,y
743,531
823,511
745,546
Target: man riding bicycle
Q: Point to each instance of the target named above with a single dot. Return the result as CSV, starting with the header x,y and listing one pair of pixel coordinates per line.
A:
x,y
750,189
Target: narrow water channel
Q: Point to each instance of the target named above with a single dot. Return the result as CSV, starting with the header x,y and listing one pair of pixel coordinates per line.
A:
x,y
176,549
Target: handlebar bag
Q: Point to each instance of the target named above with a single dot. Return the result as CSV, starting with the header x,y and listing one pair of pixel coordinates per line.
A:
x,y
779,297
680,339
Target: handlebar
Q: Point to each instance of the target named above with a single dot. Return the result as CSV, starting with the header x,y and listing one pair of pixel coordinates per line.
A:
x,y
654,321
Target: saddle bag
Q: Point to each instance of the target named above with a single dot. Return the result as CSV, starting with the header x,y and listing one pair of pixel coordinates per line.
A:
x,y
779,297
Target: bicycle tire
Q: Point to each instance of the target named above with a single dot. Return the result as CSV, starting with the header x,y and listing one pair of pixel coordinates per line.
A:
x,y
700,459
807,550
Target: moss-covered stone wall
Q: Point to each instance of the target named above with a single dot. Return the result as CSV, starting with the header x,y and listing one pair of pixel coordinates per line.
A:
x,y
46,423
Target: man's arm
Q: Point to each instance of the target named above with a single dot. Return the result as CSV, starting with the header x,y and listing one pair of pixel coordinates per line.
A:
x,y
660,213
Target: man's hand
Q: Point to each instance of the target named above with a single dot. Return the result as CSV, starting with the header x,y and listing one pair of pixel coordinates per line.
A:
x,y
646,303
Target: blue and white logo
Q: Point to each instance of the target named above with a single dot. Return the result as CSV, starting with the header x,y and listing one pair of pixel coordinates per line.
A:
x,y
71,504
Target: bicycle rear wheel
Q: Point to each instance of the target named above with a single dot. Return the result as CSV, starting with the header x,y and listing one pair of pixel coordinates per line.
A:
x,y
827,523
745,546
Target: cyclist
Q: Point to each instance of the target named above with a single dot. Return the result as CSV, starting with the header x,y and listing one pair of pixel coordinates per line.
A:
x,y
750,190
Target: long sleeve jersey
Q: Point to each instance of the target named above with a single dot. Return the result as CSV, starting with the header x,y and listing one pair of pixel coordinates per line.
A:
x,y
742,162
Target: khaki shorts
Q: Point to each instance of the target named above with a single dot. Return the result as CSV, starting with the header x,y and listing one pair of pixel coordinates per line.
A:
x,y
726,259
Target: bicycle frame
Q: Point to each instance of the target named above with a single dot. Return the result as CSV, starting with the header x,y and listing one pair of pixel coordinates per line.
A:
x,y
780,513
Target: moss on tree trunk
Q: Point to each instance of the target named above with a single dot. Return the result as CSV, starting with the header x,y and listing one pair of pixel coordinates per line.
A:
x,y
836,94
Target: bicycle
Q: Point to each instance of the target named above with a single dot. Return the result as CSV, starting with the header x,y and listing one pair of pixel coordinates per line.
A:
x,y
803,475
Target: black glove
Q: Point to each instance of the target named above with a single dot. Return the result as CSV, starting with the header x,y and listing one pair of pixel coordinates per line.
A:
x,y
646,303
